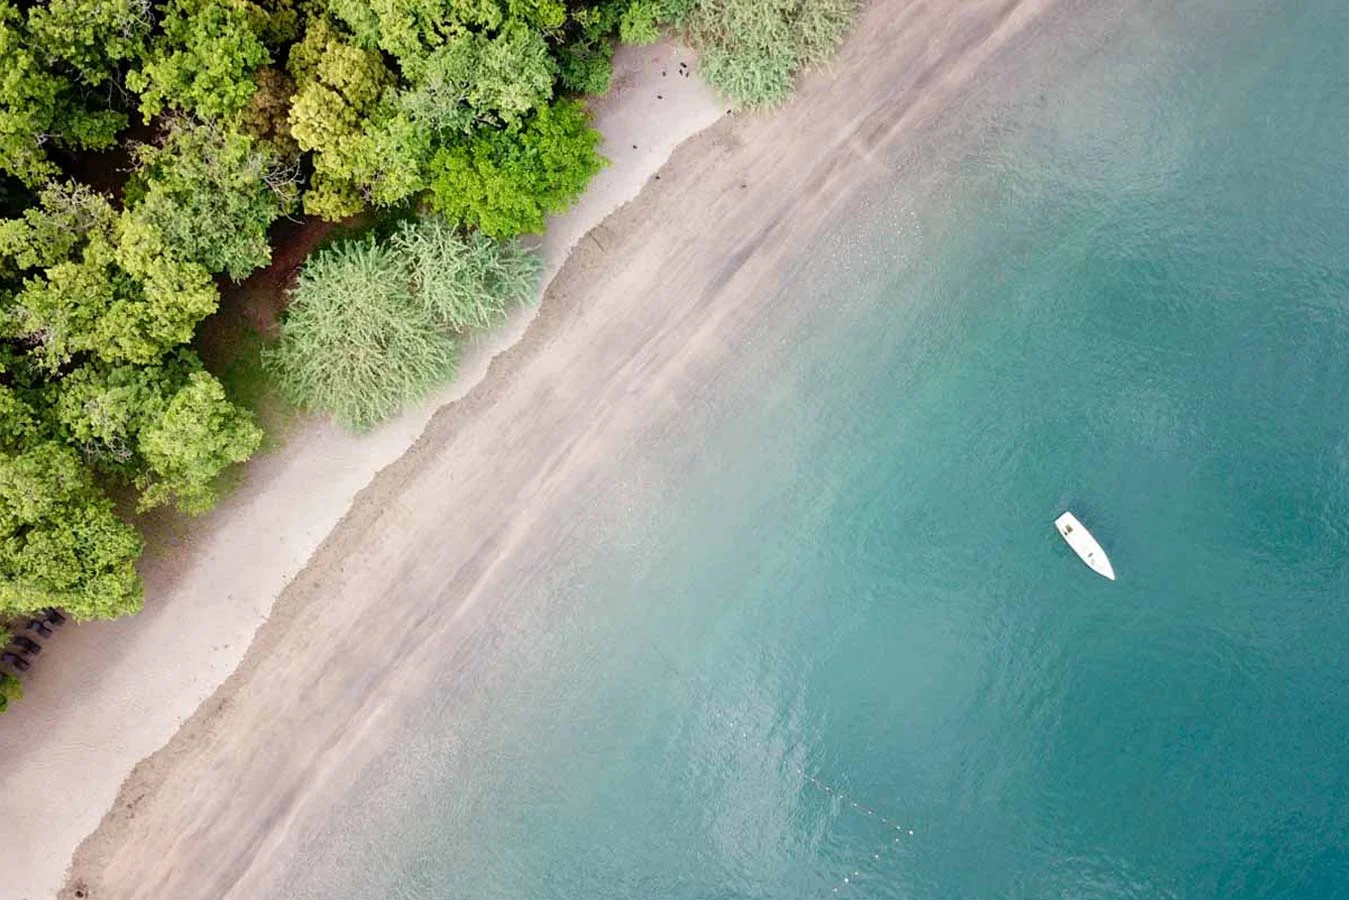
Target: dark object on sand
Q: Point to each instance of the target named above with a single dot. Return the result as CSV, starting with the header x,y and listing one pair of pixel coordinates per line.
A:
x,y
53,617
14,660
39,626
28,645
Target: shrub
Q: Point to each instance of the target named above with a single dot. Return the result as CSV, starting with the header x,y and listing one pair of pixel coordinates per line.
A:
x,y
369,326
640,23
505,182
355,343
752,76
753,49
10,691
466,283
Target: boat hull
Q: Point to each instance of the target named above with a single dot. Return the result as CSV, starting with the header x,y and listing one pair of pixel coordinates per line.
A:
x,y
1084,545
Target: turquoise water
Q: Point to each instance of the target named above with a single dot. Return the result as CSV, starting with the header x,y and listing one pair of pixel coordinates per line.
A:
x,y
1127,294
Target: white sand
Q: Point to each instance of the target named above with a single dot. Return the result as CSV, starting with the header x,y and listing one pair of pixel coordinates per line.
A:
x,y
107,695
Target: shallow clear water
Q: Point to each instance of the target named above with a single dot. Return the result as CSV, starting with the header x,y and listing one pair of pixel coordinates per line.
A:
x,y
1116,280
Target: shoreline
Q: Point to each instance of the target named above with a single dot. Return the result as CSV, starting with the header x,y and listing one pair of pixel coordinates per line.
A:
x,y
212,583
422,549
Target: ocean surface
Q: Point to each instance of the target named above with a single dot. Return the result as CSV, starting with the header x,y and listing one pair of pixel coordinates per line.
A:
x,y
817,637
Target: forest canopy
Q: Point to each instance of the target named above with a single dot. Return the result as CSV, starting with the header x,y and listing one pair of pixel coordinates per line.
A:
x,y
147,149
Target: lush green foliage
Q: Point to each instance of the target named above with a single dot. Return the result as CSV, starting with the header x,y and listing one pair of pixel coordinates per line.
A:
x,y
11,689
464,283
61,544
339,111
202,62
168,427
97,283
197,436
473,80
505,182
92,37
753,49
375,130
355,343
640,23
39,105
369,327
212,194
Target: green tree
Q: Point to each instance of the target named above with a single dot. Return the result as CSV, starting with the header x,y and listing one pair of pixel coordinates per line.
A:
x,y
169,428
173,297
505,182
203,61
212,193
93,37
341,99
61,544
586,65
405,29
100,409
410,30
112,287
544,15
18,425
64,310
39,106
398,152
512,74
640,22
198,436
586,50
476,80
48,232
276,22
66,242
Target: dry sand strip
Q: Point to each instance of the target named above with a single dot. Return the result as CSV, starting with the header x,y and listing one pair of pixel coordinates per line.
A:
x,y
108,694
657,301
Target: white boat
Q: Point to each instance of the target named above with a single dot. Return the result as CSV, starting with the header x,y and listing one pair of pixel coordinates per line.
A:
x,y
1084,545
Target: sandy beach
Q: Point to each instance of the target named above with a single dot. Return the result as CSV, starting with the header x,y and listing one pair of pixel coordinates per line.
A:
x,y
649,303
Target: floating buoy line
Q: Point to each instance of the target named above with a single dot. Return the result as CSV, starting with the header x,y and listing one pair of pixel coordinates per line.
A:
x,y
896,831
